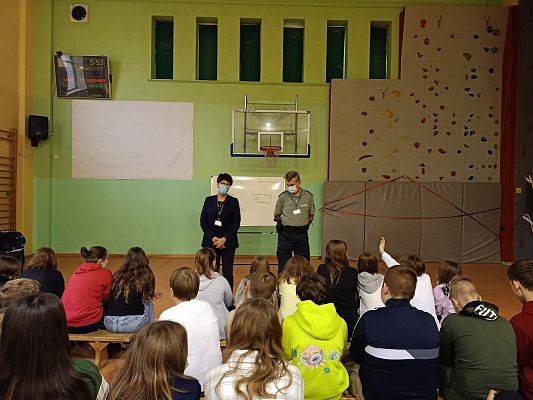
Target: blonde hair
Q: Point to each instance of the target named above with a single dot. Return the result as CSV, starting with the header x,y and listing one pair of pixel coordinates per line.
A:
x,y
204,262
158,353
256,328
295,269
15,289
463,290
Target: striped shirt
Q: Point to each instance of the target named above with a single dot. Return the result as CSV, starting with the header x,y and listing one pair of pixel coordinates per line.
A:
x,y
226,389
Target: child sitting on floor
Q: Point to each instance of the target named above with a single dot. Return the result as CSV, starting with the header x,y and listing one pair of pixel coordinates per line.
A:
x,y
254,365
259,263
198,319
9,269
154,366
446,271
214,288
423,299
369,282
43,268
262,285
341,279
314,338
296,268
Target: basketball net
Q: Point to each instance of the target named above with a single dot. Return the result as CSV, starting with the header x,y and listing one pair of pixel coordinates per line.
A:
x,y
271,154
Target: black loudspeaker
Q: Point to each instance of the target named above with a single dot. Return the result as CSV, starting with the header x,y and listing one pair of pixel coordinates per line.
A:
x,y
37,129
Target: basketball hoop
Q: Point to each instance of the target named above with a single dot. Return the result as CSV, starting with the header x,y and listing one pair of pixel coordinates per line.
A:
x,y
271,154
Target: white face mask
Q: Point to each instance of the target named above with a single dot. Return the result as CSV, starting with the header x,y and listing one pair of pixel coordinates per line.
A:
x,y
292,189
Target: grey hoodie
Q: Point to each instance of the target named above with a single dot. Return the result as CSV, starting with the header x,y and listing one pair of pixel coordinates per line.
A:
x,y
368,282
217,292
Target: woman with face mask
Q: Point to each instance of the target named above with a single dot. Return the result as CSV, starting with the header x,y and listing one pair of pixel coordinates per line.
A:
x,y
220,220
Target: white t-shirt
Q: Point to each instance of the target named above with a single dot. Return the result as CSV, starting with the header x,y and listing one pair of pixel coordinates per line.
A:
x,y
201,324
423,299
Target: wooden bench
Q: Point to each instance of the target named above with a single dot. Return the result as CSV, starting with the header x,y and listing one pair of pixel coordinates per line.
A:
x,y
99,340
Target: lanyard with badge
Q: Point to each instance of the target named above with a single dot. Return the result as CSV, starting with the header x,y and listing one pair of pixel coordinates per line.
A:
x,y
220,207
296,203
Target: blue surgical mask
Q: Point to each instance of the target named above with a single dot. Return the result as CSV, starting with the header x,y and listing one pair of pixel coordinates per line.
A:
x,y
223,190
292,189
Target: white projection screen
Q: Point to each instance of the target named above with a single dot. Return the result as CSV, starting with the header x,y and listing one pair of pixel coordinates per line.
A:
x,y
132,140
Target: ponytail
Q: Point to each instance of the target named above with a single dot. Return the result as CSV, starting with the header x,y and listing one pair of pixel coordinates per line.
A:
x,y
94,253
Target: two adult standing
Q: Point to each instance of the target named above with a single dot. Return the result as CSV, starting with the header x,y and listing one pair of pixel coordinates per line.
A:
x,y
221,218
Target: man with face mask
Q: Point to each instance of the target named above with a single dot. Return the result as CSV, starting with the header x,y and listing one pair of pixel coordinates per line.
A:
x,y
294,213
220,220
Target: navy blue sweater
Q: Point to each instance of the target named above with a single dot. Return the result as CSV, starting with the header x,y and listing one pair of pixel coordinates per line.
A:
x,y
398,348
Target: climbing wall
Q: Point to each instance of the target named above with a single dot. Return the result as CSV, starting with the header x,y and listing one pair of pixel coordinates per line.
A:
x,y
441,121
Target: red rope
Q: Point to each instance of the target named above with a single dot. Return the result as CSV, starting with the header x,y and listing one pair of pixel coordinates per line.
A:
x,y
462,212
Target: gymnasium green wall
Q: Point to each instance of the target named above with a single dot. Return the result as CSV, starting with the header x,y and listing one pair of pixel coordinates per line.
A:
x,y
162,216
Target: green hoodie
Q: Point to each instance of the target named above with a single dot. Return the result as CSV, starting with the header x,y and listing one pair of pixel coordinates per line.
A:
x,y
313,339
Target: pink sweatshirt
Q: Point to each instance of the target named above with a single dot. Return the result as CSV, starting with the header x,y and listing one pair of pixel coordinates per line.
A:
x,y
443,304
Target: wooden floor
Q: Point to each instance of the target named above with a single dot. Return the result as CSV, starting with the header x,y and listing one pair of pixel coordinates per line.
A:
x,y
490,279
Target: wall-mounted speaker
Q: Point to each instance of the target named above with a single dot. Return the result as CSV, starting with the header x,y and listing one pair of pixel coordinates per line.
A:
x,y
79,13
37,129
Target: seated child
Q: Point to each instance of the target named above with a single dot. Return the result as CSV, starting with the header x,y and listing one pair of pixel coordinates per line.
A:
x,y
254,365
154,366
214,288
262,285
295,269
369,282
86,290
342,282
198,319
35,359
478,347
259,263
520,274
43,268
423,298
13,290
314,338
9,269
446,271
130,305
397,346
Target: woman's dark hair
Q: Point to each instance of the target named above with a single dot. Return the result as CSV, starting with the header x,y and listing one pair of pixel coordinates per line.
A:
x,y
43,258
135,275
35,360
9,266
94,253
336,259
224,176
312,287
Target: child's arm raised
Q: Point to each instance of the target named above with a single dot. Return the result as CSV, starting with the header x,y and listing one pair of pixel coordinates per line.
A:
x,y
386,257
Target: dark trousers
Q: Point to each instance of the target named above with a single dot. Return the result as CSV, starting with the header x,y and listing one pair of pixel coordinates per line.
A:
x,y
226,257
87,328
290,244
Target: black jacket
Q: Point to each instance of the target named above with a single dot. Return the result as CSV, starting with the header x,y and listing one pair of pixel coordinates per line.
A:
x,y
230,218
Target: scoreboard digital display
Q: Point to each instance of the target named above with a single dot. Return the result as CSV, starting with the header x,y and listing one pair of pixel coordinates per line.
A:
x,y
84,77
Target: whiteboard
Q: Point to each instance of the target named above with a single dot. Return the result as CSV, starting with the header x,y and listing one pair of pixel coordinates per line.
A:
x,y
132,140
257,197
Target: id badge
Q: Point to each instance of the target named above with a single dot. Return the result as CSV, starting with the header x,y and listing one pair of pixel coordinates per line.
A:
x,y
218,223
297,211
